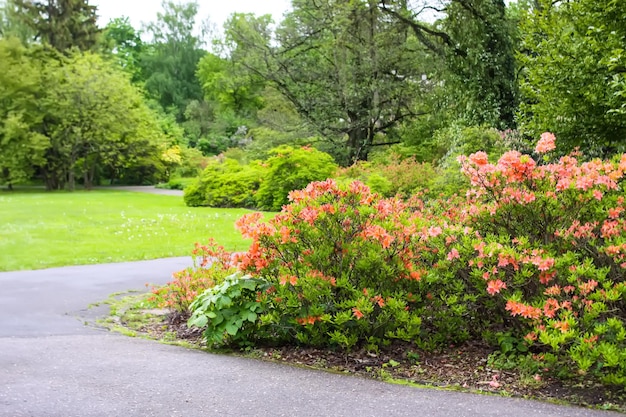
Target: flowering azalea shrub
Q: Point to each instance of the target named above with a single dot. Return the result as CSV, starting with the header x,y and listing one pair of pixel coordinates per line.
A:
x,y
339,264
211,265
551,245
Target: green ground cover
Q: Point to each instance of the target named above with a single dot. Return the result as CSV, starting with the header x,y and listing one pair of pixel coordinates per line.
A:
x,y
42,230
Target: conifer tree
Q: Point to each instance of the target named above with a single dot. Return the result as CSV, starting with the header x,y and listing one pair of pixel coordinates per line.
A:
x,y
62,24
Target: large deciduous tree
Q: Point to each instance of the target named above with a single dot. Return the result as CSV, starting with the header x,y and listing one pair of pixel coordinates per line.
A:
x,y
95,120
21,148
125,43
348,70
229,87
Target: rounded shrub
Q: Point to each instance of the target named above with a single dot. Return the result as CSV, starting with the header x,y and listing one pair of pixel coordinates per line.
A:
x,y
291,169
226,183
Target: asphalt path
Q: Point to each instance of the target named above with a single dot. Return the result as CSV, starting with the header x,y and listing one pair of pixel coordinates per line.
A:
x,y
53,364
150,189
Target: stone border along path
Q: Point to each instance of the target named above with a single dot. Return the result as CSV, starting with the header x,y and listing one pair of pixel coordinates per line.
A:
x,y
53,364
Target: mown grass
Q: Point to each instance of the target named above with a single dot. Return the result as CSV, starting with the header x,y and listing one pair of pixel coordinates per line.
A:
x,y
42,230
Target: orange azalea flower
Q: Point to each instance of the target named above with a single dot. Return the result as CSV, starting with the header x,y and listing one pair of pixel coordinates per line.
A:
x,y
610,228
309,215
563,326
379,300
514,307
532,336
597,194
416,275
479,158
292,279
308,320
543,264
546,277
285,233
521,309
587,287
550,307
553,290
615,212
357,313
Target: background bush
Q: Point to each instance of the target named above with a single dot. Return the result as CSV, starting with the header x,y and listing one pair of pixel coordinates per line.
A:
x,y
291,169
226,183
391,173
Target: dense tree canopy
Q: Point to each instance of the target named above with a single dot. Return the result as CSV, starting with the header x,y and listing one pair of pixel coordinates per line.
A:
x,y
574,80
11,23
348,71
21,150
95,119
124,41
354,78
169,63
474,38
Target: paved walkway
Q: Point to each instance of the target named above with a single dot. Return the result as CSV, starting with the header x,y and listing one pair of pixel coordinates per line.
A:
x,y
51,364
151,189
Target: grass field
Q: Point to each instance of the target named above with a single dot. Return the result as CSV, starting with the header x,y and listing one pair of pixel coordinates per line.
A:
x,y
42,230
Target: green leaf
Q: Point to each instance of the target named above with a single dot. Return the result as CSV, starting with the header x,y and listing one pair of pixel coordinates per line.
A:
x,y
231,329
198,321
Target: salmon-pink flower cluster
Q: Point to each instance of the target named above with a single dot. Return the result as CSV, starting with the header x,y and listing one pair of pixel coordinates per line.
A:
x,y
495,286
546,143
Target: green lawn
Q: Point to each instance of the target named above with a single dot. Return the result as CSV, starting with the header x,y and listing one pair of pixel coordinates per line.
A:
x,y
41,230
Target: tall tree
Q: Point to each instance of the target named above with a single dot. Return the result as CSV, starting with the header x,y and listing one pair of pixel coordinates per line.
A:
x,y
229,86
233,95
475,40
124,42
95,119
21,147
574,76
347,69
62,24
169,63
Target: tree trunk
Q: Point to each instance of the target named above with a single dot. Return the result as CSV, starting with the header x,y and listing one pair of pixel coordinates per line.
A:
x,y
71,180
88,176
358,148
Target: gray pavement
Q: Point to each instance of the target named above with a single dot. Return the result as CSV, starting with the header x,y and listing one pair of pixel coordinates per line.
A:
x,y
150,189
51,364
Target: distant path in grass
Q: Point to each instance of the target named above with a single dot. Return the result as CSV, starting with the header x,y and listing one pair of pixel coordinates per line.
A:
x,y
52,364
150,189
